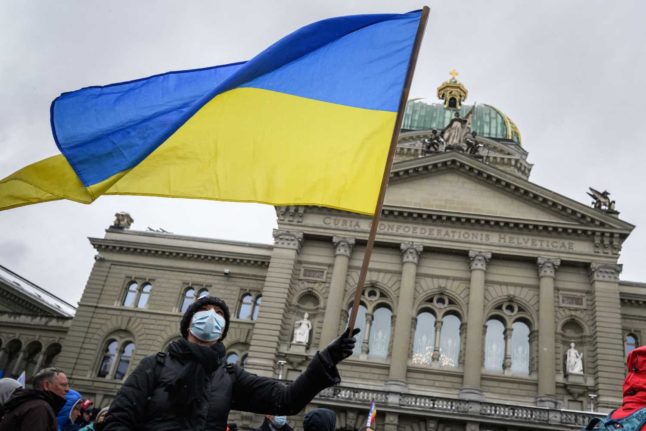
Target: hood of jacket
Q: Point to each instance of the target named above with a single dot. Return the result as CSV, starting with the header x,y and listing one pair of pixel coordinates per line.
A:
x,y
63,418
634,385
320,420
7,387
21,396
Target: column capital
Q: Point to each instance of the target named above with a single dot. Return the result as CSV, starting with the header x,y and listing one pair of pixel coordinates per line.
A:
x,y
343,245
479,259
605,271
288,239
411,252
547,266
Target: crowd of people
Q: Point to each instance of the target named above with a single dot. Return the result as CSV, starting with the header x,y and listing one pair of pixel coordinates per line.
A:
x,y
191,387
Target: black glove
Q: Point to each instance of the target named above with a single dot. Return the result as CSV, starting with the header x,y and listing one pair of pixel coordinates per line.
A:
x,y
343,346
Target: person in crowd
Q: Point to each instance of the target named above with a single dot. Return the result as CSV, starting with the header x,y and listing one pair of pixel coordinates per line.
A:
x,y
191,387
70,412
275,423
631,416
98,423
88,413
320,420
7,388
36,409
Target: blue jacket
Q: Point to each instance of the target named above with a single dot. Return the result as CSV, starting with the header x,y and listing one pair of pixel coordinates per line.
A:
x,y
63,417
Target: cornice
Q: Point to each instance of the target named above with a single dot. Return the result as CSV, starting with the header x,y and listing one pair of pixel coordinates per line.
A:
x,y
632,299
526,190
28,303
174,251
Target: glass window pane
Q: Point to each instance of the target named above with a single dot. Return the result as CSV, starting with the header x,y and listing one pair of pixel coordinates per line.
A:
x,y
424,339
145,293
203,293
232,358
361,324
630,343
108,356
131,295
124,361
494,345
520,348
187,300
379,334
256,308
246,306
450,341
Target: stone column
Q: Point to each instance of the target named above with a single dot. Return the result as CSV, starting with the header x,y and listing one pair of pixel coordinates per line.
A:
x,y
607,364
264,340
546,332
334,304
506,363
475,324
405,314
365,343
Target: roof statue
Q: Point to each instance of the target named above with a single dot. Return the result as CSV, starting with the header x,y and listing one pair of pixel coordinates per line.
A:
x,y
601,201
122,220
456,132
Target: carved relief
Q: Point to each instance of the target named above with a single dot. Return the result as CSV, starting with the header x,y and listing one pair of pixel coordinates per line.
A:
x,y
605,272
411,252
547,266
479,259
343,246
288,239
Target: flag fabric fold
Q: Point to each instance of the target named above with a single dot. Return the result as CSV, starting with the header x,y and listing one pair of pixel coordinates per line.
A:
x,y
306,122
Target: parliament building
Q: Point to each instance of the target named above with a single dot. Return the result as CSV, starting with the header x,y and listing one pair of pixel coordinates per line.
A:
x,y
491,303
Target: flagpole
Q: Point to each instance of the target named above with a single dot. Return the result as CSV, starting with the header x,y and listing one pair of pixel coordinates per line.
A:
x,y
389,162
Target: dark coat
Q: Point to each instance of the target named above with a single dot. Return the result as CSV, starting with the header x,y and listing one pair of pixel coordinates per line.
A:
x,y
31,410
143,403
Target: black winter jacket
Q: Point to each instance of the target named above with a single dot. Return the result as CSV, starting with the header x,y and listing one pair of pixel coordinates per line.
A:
x,y
143,404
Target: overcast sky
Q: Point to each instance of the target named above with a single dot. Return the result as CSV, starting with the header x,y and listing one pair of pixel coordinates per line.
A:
x,y
571,74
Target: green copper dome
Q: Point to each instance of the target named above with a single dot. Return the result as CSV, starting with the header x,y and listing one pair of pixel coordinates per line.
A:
x,y
487,120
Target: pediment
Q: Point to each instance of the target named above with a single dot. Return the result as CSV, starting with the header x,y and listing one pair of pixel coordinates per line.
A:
x,y
456,184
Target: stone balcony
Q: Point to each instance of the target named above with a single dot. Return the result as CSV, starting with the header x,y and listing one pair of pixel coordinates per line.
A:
x,y
522,417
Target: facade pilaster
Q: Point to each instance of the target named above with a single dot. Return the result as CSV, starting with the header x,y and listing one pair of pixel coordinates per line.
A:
x,y
546,396
264,340
401,340
475,324
608,353
343,250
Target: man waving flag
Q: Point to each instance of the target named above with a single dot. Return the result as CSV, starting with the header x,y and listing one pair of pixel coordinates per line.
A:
x,y
308,121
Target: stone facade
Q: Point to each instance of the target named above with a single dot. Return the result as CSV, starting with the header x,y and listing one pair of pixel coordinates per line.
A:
x,y
479,283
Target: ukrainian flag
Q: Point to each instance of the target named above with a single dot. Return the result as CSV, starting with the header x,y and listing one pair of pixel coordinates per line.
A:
x,y
306,122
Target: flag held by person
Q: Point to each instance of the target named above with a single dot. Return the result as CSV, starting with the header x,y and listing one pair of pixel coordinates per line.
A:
x,y
308,121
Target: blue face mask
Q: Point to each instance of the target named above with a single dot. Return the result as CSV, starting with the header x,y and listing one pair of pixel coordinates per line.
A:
x,y
279,421
207,325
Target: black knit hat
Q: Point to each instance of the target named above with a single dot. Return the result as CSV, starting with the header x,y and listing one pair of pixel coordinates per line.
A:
x,y
194,308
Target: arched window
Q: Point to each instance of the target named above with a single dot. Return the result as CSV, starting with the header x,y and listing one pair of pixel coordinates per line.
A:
x,y
630,343
249,306
109,354
450,341
116,359
232,358
137,295
32,355
494,345
256,308
51,353
361,324
243,361
124,360
424,343
187,299
246,306
520,348
131,294
380,333
145,293
203,293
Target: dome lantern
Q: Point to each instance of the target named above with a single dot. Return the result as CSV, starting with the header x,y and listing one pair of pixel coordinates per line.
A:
x,y
452,92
